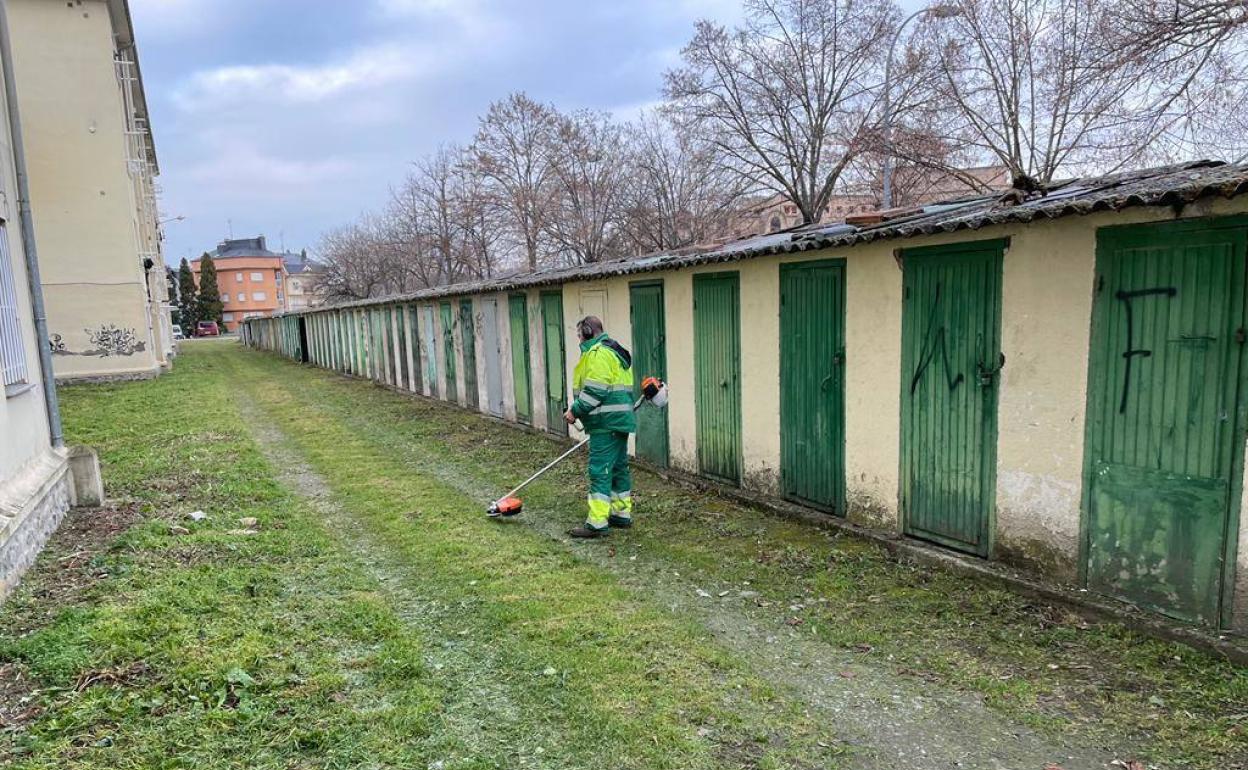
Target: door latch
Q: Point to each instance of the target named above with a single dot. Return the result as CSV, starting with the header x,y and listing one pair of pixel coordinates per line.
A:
x,y
1241,335
987,374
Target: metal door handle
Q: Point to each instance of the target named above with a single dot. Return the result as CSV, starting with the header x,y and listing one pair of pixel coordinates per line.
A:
x,y
823,385
723,383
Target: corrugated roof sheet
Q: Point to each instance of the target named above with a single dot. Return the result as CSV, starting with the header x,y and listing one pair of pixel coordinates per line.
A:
x,y
1174,185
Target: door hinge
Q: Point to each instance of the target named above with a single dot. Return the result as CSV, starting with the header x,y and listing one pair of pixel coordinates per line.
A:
x,y
1100,283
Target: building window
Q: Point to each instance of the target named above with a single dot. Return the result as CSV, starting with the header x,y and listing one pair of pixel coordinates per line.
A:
x,y
227,316
775,224
238,278
294,286
258,296
225,297
12,349
278,278
242,297
257,277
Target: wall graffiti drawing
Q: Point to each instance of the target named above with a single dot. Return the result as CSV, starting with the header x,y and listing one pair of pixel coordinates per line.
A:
x,y
108,340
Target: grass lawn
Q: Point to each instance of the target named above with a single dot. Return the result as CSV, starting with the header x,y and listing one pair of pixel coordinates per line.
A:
x,y
372,617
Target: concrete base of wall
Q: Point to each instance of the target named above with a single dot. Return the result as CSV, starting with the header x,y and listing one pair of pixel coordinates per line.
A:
x,y
131,376
1089,605
32,506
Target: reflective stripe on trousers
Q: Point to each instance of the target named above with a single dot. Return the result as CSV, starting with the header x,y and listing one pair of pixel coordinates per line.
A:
x,y
610,479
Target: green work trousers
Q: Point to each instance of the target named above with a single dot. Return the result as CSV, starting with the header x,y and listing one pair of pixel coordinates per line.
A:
x,y
610,481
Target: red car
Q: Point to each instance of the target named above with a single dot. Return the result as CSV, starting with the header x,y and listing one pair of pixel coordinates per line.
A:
x,y
207,329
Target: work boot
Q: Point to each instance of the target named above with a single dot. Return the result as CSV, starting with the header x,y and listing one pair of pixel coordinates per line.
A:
x,y
620,522
586,532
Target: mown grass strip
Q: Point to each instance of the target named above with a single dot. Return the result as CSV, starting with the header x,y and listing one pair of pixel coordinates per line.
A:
x,y
608,677
1033,661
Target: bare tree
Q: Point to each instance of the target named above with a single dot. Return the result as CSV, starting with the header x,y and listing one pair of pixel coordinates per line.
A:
x,y
512,152
1043,86
361,261
789,97
481,222
678,191
587,164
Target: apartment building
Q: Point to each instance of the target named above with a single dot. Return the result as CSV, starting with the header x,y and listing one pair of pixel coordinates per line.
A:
x,y
303,282
252,279
93,167
35,484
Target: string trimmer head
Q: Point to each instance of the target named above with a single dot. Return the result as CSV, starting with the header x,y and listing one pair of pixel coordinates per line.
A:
x,y
507,506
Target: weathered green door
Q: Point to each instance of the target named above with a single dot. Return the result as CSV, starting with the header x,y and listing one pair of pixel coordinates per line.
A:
x,y
812,383
448,350
518,314
951,359
468,337
717,374
649,360
555,358
413,336
1164,414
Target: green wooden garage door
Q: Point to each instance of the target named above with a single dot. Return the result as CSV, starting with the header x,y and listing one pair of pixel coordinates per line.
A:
x,y
518,315
448,350
951,354
555,359
1165,417
717,374
468,340
812,384
649,360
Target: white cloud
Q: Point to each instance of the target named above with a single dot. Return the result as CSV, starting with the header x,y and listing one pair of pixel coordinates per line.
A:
x,y
157,20
238,166
292,84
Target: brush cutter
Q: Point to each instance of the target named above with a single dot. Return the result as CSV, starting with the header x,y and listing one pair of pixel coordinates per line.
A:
x,y
653,390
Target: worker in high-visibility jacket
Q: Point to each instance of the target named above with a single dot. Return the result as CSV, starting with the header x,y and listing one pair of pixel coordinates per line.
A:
x,y
602,387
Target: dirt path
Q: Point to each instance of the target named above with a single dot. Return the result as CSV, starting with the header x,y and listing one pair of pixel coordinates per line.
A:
x,y
891,720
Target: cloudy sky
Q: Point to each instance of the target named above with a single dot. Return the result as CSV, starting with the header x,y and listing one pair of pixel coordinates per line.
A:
x,y
286,117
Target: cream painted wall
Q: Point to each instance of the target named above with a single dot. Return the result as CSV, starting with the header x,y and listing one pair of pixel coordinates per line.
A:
x,y
23,413
504,344
537,360
82,195
681,409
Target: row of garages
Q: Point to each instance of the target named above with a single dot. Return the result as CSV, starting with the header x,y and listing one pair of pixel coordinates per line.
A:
x,y
1057,384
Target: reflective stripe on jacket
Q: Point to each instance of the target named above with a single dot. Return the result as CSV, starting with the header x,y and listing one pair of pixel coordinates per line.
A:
x,y
602,385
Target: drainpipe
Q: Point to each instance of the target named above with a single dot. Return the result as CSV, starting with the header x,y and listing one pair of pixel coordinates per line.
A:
x,y
27,224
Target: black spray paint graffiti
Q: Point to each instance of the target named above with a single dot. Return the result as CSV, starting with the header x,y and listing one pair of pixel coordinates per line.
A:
x,y
1132,352
109,340
937,342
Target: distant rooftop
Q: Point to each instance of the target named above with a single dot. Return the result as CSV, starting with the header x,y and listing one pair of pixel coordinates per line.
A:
x,y
242,247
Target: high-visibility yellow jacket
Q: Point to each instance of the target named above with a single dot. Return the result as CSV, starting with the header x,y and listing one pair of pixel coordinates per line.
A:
x,y
602,385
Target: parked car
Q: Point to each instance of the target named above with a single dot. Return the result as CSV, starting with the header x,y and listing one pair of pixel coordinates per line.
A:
x,y
207,329
177,332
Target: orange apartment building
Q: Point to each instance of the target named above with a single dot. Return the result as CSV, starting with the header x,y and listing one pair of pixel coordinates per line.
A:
x,y
251,279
